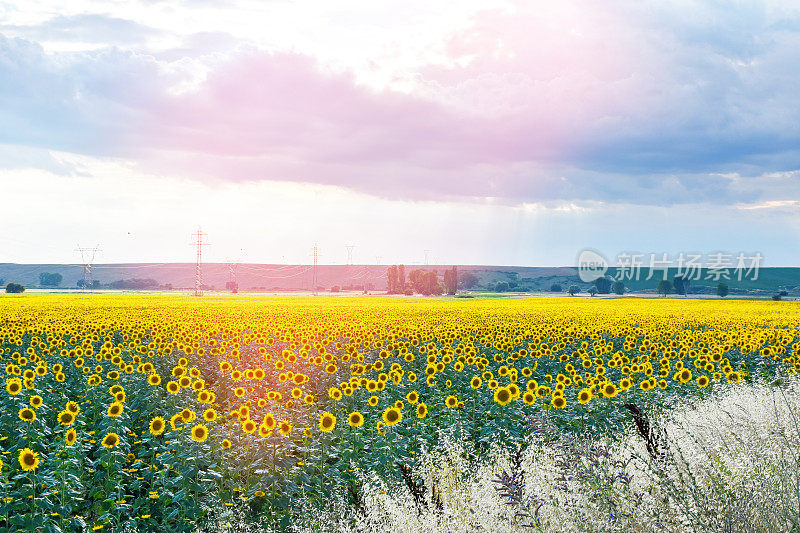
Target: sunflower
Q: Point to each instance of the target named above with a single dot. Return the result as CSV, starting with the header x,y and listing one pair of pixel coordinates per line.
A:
x,y
73,408
239,392
327,422
584,396
199,433
558,402
451,402
173,387
248,426
110,440
422,410
26,414
373,401
153,379
36,401
70,437
28,459
226,444
66,418
355,419
115,409
502,395
209,415
609,390
392,416
157,426
412,397
529,398
13,386
702,381
285,428
174,420
476,382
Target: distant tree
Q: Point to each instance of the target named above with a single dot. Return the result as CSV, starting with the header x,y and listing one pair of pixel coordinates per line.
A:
x,y
619,287
776,297
664,287
573,290
467,280
593,290
49,279
722,289
603,285
232,286
451,280
15,288
2,281
681,284
94,284
425,282
144,284
555,287
502,286
335,288
401,278
391,279
783,293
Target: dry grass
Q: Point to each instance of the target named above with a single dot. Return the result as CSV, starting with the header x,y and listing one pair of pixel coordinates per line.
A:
x,y
731,464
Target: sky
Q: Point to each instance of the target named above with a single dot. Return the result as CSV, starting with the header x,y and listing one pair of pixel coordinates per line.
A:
x,y
465,132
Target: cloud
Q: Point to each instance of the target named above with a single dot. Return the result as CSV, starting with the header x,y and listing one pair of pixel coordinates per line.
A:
x,y
657,103
86,28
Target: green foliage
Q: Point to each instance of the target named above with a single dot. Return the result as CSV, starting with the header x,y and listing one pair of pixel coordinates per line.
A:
x,y
50,279
573,290
502,286
555,287
602,285
664,287
451,280
425,282
15,288
722,289
681,284
619,287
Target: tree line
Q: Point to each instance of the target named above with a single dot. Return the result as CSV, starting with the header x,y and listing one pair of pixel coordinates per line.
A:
x,y
421,281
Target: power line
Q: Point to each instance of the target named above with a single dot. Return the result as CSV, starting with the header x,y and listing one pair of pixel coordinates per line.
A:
x,y
349,248
198,274
87,265
314,273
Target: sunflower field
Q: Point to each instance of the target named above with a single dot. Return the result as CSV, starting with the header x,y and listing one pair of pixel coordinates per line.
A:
x,y
163,412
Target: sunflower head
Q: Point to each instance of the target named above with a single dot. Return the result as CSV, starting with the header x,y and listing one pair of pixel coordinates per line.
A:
x,y
110,440
199,433
327,422
28,459
66,418
26,414
392,416
355,419
71,436
157,426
